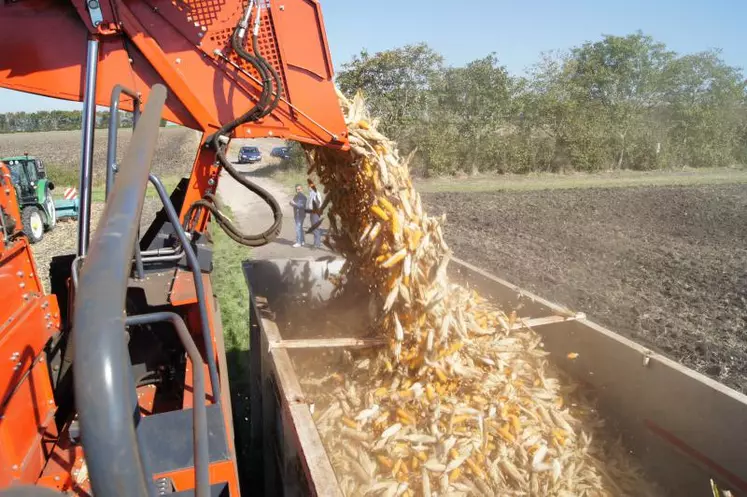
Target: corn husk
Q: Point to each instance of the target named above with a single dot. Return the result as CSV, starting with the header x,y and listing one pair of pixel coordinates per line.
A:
x,y
462,401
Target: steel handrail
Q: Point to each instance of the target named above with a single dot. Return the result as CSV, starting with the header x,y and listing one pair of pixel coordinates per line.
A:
x,y
102,372
194,266
111,152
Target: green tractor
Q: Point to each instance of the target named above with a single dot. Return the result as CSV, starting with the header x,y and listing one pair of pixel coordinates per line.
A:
x,y
34,192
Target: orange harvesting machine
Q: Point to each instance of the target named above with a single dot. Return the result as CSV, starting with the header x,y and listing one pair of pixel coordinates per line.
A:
x,y
115,382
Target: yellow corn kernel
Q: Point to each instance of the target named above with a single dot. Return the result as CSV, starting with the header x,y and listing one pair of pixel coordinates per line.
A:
x,y
404,469
397,465
379,212
414,239
380,392
396,228
407,383
387,206
441,376
349,423
515,423
430,392
505,434
454,453
473,467
363,124
396,258
415,463
459,419
405,394
559,436
422,456
455,474
405,417
384,461
383,257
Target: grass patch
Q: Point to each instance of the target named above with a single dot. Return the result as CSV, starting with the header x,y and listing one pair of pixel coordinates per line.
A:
x,y
61,176
616,179
291,178
98,193
232,293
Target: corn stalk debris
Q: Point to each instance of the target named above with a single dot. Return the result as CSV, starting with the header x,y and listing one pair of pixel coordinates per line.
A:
x,y
462,400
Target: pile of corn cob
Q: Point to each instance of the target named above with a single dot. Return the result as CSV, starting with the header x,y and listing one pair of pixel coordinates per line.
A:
x,y
463,400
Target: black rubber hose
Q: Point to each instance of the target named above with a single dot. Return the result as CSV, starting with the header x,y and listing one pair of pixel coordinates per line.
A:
x,y
261,108
265,77
252,240
273,73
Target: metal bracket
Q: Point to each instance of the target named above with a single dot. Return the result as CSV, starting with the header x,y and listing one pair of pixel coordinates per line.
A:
x,y
94,10
165,486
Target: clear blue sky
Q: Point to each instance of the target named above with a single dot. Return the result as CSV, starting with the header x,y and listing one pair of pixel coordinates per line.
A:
x,y
518,31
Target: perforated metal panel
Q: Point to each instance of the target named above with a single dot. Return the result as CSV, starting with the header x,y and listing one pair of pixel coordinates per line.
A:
x,y
267,42
201,12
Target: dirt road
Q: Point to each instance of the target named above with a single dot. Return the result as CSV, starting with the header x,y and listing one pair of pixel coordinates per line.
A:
x,y
253,215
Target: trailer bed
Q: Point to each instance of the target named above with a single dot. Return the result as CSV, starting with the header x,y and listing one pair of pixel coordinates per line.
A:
x,y
682,427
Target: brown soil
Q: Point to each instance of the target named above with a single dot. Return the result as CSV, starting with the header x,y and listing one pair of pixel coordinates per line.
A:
x,y
175,150
63,238
666,266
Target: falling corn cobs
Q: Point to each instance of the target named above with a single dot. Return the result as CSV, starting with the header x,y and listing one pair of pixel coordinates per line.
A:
x,y
463,400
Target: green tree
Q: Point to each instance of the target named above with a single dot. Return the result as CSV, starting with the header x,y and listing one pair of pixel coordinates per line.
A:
x,y
473,108
622,74
395,82
705,110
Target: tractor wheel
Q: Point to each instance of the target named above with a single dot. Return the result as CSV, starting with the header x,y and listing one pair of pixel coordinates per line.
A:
x,y
50,213
33,224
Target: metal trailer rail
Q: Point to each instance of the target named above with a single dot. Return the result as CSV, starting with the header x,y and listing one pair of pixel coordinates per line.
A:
x,y
682,427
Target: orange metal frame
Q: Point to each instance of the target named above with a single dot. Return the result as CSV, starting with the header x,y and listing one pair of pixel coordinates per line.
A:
x,y
183,44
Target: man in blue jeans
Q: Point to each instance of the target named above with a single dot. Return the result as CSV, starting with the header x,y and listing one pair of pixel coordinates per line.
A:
x,y
314,208
299,214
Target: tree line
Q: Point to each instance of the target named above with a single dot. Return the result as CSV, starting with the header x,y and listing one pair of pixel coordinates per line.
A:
x,y
622,102
57,120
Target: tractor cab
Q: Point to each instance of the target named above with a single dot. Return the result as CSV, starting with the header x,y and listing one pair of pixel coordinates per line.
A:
x,y
34,192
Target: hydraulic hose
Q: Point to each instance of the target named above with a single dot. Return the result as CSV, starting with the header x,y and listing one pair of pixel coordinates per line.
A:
x,y
273,73
263,107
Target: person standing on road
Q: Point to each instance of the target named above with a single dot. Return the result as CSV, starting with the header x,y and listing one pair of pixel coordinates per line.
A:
x,y
314,206
299,214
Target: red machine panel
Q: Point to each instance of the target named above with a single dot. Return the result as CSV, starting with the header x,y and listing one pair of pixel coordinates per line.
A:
x,y
25,418
144,42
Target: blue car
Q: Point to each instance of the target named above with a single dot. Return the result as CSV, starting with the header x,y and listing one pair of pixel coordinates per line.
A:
x,y
281,152
249,155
